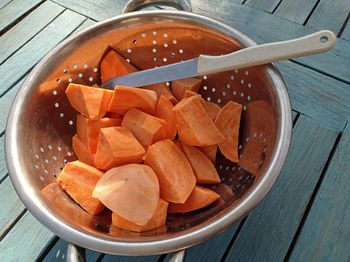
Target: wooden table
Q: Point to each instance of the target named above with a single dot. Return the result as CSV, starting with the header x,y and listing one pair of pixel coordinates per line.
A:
x,y
306,216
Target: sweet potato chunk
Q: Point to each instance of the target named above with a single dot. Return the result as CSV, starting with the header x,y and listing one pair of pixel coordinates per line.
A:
x,y
79,180
91,102
210,152
164,111
131,191
157,220
199,198
194,126
162,89
82,152
117,146
179,87
173,170
228,121
212,109
125,98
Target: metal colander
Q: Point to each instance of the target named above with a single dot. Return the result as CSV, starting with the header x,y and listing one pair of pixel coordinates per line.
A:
x,y
41,125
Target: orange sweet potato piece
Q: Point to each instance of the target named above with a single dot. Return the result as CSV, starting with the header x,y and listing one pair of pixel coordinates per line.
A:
x,y
146,128
189,93
158,219
117,146
210,152
88,130
79,180
82,152
199,198
173,170
194,126
114,65
203,168
162,89
113,115
228,121
125,98
164,111
91,102
179,87
212,109
131,191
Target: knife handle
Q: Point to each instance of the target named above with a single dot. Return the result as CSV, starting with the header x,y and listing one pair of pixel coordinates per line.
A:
x,y
318,42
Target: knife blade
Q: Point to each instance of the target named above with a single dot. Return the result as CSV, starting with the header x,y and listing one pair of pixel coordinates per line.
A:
x,y
155,75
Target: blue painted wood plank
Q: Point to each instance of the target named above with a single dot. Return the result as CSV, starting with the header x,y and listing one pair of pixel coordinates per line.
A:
x,y
316,95
25,58
325,235
18,35
59,251
346,32
265,5
295,10
329,14
4,2
11,206
24,241
3,168
269,228
264,28
14,10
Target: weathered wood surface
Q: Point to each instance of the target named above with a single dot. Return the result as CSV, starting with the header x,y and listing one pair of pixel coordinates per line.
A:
x,y
325,235
4,2
295,10
265,5
270,227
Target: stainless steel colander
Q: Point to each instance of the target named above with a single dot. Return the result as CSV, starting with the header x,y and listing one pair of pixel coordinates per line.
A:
x,y
41,124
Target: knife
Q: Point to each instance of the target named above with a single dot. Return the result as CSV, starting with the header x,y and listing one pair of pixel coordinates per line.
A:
x,y
318,42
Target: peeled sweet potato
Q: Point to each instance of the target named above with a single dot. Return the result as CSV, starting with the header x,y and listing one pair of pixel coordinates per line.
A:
x,y
164,111
210,152
228,122
194,126
125,98
117,146
158,219
162,89
173,170
179,87
91,102
79,180
82,152
212,109
200,197
131,191
146,128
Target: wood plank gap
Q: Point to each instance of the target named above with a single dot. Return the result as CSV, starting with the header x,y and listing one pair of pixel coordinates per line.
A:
x,y
5,4
312,11
344,25
295,120
312,198
12,224
57,2
321,72
274,10
47,249
3,179
9,26
233,239
14,51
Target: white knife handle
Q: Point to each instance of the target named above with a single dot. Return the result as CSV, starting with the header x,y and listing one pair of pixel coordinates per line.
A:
x,y
318,42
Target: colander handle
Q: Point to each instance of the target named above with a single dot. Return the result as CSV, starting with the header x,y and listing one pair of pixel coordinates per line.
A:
x,y
135,5
75,253
318,42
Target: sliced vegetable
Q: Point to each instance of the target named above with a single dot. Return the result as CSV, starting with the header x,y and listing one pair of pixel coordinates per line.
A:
x,y
173,170
131,191
114,65
203,168
117,146
210,152
228,121
158,219
88,130
146,128
179,87
125,98
162,89
164,111
189,93
82,152
194,126
200,197
79,180
212,109
91,102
